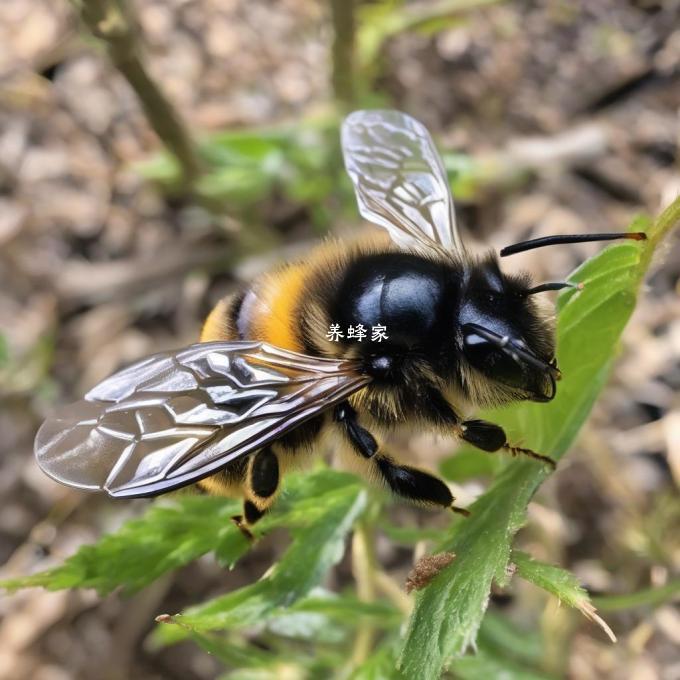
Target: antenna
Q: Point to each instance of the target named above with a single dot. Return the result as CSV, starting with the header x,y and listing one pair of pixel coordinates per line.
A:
x,y
553,285
572,238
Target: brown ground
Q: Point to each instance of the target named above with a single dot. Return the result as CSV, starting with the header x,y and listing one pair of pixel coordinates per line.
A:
x,y
99,268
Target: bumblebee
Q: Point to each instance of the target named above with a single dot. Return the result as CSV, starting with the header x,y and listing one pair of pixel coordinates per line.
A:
x,y
278,367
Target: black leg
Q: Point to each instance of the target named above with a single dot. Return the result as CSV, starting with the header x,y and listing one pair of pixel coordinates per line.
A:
x,y
437,409
261,482
263,475
483,435
518,450
490,437
243,526
415,485
251,512
407,482
361,439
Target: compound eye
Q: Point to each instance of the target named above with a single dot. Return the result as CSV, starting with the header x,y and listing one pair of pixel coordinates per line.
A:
x,y
495,363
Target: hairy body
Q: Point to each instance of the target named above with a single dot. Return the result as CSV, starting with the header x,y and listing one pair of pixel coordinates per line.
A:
x,y
416,379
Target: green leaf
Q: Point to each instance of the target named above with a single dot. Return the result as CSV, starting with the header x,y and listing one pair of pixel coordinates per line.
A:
x,y
561,583
277,655
468,463
449,611
317,545
308,626
245,167
169,535
302,162
176,531
236,653
347,610
502,637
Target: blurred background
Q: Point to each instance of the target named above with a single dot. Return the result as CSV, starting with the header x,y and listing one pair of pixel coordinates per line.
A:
x,y
153,155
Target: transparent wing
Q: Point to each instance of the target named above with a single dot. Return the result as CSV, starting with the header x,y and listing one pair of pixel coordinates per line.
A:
x,y
399,179
173,418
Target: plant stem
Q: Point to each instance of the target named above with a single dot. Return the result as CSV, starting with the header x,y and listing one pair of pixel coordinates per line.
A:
x,y
343,50
668,219
112,22
391,589
363,567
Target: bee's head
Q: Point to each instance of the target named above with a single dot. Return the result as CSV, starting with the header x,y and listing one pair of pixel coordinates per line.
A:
x,y
506,340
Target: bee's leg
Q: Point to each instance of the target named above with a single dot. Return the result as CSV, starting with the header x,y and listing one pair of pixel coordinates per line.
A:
x,y
414,484
362,440
479,433
490,437
260,485
408,482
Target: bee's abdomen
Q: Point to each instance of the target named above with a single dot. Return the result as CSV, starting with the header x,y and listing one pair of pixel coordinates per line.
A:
x,y
266,310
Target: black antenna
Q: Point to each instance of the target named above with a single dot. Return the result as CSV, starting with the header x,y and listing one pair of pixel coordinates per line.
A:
x,y
573,238
553,285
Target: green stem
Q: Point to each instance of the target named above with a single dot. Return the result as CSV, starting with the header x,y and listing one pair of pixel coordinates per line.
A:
x,y
449,611
363,567
343,50
664,223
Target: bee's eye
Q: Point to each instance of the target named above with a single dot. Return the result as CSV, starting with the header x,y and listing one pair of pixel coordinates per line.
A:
x,y
498,361
488,358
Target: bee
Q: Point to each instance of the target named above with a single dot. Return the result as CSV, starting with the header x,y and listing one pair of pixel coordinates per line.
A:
x,y
268,380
